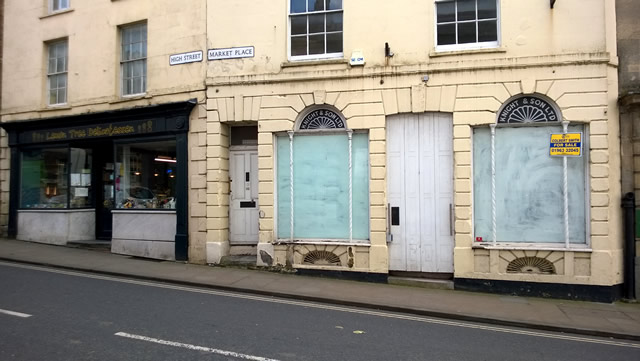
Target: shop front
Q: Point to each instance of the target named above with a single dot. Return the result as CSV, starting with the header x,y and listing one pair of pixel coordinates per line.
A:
x,y
118,177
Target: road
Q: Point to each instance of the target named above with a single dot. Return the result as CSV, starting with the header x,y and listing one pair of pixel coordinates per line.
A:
x,y
49,314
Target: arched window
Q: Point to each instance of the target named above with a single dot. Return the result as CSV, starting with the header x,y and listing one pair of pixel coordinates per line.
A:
x,y
322,179
523,192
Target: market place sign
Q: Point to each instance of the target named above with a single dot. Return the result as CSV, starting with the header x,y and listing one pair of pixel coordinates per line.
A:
x,y
231,53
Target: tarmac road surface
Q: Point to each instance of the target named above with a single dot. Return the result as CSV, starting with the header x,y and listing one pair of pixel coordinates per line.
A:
x,y
50,314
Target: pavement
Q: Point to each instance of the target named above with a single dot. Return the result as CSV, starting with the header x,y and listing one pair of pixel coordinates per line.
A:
x,y
617,320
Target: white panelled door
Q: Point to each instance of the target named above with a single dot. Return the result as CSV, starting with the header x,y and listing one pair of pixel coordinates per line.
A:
x,y
420,192
243,217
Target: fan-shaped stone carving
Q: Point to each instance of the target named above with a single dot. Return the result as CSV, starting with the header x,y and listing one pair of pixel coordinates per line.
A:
x,y
535,265
322,258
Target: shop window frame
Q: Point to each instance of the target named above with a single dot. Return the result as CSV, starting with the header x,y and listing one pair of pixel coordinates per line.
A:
x,y
496,244
466,46
315,132
135,140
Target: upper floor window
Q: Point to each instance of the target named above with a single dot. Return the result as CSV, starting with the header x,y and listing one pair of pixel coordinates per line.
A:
x,y
58,5
466,24
133,63
315,28
57,73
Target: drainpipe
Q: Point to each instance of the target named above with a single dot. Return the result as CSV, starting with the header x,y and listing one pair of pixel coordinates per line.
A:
x,y
629,205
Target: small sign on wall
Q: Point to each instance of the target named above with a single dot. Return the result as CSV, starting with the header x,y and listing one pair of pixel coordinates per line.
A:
x,y
231,53
569,144
184,58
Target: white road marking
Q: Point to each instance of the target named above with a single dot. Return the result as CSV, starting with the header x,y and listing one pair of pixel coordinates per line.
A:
x,y
194,347
424,319
13,313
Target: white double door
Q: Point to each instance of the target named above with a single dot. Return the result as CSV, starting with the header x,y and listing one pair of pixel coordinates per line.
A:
x,y
420,192
243,212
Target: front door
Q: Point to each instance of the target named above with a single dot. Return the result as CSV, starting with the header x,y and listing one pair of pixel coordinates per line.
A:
x,y
243,173
420,192
104,190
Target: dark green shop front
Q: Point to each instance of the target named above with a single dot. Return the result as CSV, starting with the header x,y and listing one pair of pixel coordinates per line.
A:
x,y
118,176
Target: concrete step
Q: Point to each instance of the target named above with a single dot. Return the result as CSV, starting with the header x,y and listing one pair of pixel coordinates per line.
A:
x,y
93,244
238,261
421,282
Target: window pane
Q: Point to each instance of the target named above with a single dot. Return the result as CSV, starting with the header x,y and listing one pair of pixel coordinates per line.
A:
x,y
466,10
62,65
316,44
528,187
52,66
334,22
334,43
316,23
487,31
487,9
127,86
298,45
446,12
316,5
62,80
321,187
146,175
137,85
466,33
446,34
81,188
298,6
62,96
53,96
298,25
126,52
334,4
43,178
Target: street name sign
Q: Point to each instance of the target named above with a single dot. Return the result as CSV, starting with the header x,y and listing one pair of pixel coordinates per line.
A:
x,y
184,58
231,53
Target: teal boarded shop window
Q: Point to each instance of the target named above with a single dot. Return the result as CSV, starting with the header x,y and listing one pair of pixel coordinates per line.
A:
x,y
329,202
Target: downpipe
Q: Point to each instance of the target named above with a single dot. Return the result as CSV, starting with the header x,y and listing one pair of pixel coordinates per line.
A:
x,y
629,206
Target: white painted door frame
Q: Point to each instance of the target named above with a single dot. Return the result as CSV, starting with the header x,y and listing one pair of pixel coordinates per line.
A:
x,y
243,200
420,192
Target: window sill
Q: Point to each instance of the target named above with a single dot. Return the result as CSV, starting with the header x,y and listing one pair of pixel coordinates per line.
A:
x,y
52,108
302,63
355,242
126,98
65,11
437,54
534,246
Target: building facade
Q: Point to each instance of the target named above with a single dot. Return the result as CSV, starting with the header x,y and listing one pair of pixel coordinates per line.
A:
x,y
336,136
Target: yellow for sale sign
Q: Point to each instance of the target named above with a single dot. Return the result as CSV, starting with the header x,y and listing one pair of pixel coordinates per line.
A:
x,y
569,144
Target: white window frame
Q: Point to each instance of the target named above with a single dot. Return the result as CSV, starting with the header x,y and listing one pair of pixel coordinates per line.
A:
x,y
567,245
61,5
64,73
467,46
314,56
125,62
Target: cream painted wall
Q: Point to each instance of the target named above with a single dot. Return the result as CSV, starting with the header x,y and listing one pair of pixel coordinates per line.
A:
x,y
528,28
92,31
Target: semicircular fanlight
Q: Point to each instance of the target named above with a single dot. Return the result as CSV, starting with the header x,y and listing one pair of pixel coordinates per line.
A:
x,y
534,265
322,258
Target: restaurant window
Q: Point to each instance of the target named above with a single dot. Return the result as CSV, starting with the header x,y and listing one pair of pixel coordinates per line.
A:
x,y
56,178
43,182
146,175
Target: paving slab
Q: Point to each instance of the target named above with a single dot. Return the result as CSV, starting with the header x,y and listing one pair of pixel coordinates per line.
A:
x,y
619,320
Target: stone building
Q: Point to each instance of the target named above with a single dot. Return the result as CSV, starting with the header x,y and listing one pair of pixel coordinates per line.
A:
x,y
339,137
